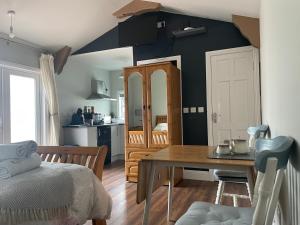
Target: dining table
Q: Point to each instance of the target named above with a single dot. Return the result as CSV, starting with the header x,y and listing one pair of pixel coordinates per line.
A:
x,y
185,156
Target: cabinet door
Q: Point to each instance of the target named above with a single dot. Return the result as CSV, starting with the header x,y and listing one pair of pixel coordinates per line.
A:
x,y
121,139
135,114
115,143
157,98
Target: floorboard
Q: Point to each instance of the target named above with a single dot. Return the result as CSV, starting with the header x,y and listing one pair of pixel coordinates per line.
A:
x,y
127,212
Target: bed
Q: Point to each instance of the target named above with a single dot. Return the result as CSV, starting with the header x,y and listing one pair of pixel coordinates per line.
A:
x,y
89,198
159,133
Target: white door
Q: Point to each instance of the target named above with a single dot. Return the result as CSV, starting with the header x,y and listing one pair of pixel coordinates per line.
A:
x,y
233,93
20,104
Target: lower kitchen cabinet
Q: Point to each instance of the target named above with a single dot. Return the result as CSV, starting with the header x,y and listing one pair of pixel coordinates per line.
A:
x,y
117,142
110,135
104,138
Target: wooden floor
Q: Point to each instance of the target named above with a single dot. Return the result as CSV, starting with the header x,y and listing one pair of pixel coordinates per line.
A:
x,y
126,212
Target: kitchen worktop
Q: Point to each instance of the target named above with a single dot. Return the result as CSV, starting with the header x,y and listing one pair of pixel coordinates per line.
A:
x,y
87,126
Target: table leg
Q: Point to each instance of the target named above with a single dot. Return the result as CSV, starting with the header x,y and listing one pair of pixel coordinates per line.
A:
x,y
149,194
170,193
250,185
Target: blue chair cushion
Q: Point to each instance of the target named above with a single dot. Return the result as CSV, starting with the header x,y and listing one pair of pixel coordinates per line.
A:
x,y
203,213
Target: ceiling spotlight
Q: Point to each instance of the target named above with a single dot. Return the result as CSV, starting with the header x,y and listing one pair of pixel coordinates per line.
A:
x,y
11,14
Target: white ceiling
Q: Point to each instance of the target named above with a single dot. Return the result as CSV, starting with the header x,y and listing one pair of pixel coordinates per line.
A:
x,y
55,23
113,59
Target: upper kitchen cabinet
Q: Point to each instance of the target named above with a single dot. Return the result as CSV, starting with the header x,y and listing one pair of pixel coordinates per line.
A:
x,y
153,111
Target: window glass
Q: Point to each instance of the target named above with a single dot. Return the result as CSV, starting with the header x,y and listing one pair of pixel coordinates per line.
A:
x,y
23,121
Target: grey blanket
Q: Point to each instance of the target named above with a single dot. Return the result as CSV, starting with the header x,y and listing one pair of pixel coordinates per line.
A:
x,y
41,194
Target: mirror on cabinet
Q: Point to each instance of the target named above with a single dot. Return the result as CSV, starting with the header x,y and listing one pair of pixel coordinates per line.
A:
x,y
159,108
135,109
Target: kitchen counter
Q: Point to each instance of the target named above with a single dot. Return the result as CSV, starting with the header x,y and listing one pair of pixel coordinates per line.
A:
x,y
86,126
109,134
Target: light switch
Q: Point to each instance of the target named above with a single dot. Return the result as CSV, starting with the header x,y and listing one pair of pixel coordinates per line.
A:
x,y
186,110
193,109
200,109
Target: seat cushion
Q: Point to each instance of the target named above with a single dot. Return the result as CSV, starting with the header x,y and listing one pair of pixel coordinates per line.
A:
x,y
228,175
203,213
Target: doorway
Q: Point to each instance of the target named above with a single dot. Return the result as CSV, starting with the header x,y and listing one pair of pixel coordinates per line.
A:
x,y
233,93
20,104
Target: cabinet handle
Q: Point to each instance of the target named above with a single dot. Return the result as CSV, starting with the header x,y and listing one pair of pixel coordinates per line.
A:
x,y
149,107
144,107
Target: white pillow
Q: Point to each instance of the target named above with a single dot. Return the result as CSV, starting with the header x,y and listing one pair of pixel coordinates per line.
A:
x,y
161,127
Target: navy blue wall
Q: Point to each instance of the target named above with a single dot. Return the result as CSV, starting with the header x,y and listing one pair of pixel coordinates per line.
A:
x,y
220,35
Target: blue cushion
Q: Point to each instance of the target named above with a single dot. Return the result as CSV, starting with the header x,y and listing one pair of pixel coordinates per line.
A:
x,y
203,213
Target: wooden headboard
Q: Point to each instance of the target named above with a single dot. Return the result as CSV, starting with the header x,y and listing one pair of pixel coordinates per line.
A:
x,y
161,119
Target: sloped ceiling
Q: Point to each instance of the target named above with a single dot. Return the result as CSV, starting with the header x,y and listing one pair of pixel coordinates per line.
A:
x,y
55,23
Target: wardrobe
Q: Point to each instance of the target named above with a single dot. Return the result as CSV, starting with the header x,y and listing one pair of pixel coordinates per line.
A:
x,y
153,118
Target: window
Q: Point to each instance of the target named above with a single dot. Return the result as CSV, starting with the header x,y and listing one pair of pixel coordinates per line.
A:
x,y
121,104
20,114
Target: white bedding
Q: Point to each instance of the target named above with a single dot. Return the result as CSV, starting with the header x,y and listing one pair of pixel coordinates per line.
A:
x,y
161,127
90,199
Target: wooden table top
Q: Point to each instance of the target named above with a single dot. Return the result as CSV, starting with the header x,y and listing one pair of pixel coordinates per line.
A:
x,y
193,154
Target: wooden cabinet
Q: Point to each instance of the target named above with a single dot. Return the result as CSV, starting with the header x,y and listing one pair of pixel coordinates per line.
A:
x,y
152,113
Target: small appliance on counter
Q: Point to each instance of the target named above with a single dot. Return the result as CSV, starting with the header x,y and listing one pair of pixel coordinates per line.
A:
x,y
77,118
107,119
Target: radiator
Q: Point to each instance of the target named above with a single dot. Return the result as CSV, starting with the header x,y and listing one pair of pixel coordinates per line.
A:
x,y
293,179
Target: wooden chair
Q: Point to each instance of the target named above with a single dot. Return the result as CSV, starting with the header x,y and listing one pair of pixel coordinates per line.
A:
x,y
238,177
91,157
271,160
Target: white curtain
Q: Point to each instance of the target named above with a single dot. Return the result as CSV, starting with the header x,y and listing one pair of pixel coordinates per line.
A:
x,y
48,80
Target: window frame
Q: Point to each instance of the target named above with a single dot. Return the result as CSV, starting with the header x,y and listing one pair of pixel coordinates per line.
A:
x,y
7,69
121,92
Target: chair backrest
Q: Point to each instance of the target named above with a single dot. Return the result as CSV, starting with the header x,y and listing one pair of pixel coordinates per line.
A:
x,y
271,159
255,133
91,157
258,131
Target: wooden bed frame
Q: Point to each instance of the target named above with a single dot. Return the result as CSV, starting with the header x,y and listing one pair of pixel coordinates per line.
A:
x,y
158,137
91,157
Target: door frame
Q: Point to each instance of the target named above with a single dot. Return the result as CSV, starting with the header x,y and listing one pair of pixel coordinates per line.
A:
x,y
257,100
24,71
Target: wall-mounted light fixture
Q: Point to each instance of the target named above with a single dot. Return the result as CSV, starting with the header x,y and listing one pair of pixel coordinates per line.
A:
x,y
11,14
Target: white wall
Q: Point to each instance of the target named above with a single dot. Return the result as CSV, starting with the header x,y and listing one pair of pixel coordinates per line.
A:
x,y
116,85
19,54
74,86
280,56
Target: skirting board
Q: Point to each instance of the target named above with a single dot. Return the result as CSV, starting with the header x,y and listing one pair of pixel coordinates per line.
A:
x,y
117,157
198,175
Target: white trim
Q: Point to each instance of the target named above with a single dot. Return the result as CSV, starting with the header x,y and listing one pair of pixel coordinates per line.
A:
x,y
209,83
176,58
117,157
15,66
1,108
6,72
198,175
119,92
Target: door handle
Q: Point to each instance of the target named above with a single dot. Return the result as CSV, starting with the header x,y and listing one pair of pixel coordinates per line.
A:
x,y
214,117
